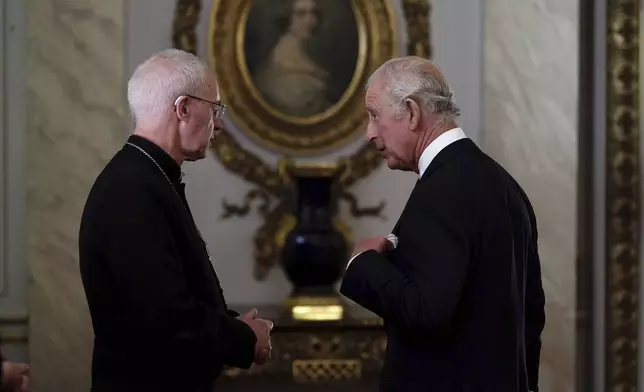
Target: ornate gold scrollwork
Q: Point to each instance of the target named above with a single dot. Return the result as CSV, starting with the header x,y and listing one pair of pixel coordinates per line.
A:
x,y
623,181
324,353
270,188
324,370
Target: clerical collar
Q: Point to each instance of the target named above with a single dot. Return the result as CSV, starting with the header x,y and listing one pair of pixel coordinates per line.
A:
x,y
436,146
171,168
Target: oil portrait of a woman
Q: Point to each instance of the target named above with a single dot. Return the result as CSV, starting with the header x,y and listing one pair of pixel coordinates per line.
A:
x,y
301,54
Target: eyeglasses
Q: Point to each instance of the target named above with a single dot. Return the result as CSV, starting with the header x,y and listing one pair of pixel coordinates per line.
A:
x,y
217,108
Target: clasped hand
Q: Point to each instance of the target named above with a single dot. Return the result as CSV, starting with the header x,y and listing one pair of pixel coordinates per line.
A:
x,y
262,329
15,376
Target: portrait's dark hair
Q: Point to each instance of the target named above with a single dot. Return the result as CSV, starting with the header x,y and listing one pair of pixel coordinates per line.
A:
x,y
283,18
260,40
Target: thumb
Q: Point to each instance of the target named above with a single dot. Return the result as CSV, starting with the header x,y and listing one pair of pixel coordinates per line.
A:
x,y
23,368
251,314
386,244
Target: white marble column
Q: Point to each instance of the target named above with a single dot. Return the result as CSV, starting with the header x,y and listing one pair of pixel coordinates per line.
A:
x,y
76,121
530,127
13,264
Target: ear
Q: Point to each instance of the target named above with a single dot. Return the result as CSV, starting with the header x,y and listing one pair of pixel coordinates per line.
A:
x,y
413,114
181,107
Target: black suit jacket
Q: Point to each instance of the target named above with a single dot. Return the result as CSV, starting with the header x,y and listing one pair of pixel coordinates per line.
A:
x,y
159,315
461,295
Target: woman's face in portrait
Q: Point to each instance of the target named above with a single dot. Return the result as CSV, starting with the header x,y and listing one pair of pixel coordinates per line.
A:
x,y
304,18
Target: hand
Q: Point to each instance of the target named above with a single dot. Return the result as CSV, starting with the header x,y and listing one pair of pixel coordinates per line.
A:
x,y
15,376
379,244
264,351
262,329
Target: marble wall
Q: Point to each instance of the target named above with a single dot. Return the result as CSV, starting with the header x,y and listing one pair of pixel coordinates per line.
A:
x,y
13,268
530,126
75,74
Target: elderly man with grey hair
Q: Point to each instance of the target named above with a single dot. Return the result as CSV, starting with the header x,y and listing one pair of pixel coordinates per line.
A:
x,y
458,282
160,319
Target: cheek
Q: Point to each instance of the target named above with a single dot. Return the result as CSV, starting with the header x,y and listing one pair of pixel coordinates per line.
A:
x,y
385,133
201,127
392,140
206,121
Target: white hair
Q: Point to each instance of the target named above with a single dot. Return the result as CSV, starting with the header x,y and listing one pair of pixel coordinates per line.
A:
x,y
160,80
416,78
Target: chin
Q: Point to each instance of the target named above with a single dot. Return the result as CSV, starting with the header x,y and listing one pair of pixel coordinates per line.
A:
x,y
394,164
196,156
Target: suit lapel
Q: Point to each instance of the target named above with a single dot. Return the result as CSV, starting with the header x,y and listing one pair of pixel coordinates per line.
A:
x,y
454,149
397,226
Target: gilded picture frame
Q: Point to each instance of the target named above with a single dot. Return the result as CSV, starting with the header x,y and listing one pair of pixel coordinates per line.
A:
x,y
297,89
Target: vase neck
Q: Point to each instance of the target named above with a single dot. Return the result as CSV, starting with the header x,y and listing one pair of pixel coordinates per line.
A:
x,y
314,217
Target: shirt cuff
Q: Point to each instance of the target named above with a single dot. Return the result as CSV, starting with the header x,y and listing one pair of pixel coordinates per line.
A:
x,y
349,263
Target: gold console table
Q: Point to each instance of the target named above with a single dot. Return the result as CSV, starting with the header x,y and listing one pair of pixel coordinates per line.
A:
x,y
316,355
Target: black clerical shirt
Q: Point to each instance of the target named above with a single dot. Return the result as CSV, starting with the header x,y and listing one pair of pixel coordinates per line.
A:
x,y
158,312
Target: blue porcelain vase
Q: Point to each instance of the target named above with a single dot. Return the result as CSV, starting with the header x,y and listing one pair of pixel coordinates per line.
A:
x,y
315,252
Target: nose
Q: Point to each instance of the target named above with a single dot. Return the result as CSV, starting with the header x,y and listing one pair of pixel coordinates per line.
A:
x,y
217,124
370,135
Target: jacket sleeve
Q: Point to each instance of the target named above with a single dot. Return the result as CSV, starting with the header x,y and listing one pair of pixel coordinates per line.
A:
x,y
535,316
149,274
424,296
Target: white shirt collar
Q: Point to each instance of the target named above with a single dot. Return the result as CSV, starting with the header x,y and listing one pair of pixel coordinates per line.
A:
x,y
436,146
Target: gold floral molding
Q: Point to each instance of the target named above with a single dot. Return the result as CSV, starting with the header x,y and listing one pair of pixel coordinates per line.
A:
x,y
623,195
268,181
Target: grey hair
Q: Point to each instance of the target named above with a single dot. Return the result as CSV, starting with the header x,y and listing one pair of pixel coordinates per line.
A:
x,y
160,80
411,77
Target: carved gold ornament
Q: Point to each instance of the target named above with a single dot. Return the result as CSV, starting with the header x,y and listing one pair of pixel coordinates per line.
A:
x,y
623,194
298,135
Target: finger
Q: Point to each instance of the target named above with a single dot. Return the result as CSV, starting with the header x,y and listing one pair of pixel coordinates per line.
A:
x,y
25,383
267,324
262,356
384,244
251,314
22,368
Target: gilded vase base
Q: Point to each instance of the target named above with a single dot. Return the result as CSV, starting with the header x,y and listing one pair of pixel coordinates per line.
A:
x,y
315,308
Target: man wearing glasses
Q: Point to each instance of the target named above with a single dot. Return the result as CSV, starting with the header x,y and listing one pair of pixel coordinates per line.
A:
x,y
160,319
